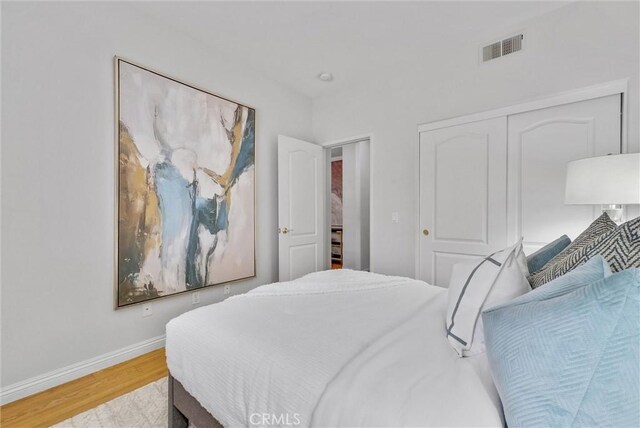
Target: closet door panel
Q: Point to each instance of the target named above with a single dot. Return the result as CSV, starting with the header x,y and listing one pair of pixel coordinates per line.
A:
x,y
443,265
541,142
462,195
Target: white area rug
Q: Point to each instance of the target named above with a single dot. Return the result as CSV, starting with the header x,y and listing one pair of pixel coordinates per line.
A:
x,y
145,407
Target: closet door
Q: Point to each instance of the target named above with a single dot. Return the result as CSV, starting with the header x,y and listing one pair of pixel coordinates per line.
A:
x,y
541,142
462,195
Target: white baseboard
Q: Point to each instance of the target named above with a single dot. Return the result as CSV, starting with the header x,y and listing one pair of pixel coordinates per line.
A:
x,y
74,371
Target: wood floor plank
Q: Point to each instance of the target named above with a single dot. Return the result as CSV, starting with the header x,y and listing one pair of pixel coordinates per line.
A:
x,y
67,400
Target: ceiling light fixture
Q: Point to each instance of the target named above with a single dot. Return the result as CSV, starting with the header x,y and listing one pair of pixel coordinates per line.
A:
x,y
325,77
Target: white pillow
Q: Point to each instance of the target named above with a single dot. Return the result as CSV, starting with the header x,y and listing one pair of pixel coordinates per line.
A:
x,y
479,284
521,258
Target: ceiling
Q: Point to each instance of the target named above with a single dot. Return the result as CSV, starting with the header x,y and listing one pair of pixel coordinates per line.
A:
x,y
292,42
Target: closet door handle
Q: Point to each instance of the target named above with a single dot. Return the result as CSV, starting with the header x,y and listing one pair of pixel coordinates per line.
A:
x,y
425,232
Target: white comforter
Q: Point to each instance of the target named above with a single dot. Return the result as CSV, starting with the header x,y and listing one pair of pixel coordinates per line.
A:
x,y
334,348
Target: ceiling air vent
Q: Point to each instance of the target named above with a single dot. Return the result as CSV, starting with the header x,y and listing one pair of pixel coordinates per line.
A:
x,y
512,44
502,48
491,52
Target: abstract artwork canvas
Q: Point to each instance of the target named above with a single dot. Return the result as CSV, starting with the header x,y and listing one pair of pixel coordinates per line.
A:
x,y
186,187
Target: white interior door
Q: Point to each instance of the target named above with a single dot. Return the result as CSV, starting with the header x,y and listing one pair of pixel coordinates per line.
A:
x,y
541,142
300,208
351,208
462,195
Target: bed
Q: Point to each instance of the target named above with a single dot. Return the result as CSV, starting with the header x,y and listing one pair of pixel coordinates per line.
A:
x,y
333,348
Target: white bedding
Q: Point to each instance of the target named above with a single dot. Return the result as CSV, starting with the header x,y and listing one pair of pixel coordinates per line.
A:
x,y
334,348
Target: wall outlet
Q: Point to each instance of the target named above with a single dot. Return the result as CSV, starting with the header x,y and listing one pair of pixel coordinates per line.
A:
x,y
395,217
146,310
227,289
195,298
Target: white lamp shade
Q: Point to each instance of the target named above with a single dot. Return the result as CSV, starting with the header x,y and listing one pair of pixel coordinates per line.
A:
x,y
606,180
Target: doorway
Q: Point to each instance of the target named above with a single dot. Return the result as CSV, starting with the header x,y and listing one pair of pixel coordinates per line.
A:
x,y
348,204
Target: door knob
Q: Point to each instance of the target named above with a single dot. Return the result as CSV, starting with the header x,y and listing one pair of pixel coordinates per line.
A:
x,y
285,230
425,232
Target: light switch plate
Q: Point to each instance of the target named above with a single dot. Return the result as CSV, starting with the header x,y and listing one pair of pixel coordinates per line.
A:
x,y
395,217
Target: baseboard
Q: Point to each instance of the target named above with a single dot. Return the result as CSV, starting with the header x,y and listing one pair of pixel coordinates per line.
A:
x,y
57,377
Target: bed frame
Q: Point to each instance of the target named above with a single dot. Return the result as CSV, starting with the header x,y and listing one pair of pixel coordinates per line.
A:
x,y
184,408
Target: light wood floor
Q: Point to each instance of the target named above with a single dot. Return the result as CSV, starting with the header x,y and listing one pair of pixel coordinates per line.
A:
x,y
62,402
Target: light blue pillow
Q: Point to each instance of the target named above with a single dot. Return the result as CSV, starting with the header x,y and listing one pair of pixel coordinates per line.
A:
x,y
569,357
537,260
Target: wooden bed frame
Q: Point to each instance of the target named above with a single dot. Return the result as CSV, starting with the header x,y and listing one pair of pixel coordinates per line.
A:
x,y
184,408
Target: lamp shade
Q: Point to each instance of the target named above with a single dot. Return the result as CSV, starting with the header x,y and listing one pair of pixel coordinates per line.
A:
x,y
606,180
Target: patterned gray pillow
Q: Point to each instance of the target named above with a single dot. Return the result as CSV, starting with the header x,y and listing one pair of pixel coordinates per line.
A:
x,y
600,227
620,248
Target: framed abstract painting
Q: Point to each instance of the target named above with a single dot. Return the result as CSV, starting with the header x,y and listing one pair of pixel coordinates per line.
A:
x,y
185,187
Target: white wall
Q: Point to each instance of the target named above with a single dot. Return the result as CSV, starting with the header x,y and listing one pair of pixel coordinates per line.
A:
x,y
58,175
579,45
